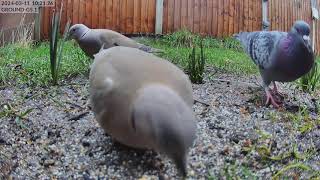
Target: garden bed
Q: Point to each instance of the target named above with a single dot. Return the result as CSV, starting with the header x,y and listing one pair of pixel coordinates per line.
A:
x,y
50,132
236,135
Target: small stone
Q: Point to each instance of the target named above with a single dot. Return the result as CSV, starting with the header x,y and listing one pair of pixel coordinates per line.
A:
x,y
49,132
86,177
225,151
28,95
161,177
235,139
192,173
35,137
247,143
251,110
2,142
144,177
48,162
85,143
219,134
88,133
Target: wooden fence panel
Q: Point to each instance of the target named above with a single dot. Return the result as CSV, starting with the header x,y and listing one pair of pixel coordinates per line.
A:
x,y
208,17
125,16
283,15
19,27
219,18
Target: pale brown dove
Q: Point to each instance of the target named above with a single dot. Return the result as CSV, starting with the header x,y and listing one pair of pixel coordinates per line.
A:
x,y
143,101
91,40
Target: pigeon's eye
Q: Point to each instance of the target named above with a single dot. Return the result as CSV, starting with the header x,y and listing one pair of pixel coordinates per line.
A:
x,y
308,32
73,30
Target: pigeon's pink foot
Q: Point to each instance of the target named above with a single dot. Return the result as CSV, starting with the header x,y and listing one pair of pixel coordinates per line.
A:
x,y
272,100
276,92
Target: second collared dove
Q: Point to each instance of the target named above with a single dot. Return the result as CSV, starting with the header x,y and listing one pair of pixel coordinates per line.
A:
x,y
91,40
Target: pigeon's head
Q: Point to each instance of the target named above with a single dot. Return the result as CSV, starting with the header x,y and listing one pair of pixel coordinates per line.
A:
x,y
243,38
77,31
303,29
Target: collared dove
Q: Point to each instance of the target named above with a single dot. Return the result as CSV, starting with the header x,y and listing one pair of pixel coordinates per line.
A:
x,y
143,101
280,56
91,40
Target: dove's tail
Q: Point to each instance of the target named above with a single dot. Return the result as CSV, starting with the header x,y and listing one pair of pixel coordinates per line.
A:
x,y
171,121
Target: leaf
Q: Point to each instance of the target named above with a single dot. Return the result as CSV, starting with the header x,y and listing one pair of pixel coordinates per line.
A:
x,y
264,135
3,114
19,122
22,115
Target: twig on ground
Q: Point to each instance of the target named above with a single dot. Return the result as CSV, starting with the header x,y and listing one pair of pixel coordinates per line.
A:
x,y
76,105
79,116
204,112
315,104
58,102
74,84
196,100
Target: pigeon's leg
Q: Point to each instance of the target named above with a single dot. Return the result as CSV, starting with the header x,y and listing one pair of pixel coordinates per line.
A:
x,y
270,98
275,90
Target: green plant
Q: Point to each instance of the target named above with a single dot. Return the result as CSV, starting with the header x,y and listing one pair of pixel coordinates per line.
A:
x,y
56,47
196,65
291,166
230,60
182,38
301,121
235,170
310,81
10,111
231,43
29,65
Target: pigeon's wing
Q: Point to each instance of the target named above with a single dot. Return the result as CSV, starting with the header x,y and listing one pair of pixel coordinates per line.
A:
x,y
261,46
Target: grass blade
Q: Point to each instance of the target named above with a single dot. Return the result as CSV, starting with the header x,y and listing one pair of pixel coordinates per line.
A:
x,y
65,34
291,166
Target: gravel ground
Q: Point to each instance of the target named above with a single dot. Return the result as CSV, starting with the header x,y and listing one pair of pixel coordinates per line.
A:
x,y
236,136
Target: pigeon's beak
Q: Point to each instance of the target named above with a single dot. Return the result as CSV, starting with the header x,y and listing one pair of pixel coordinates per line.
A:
x,y
306,38
307,41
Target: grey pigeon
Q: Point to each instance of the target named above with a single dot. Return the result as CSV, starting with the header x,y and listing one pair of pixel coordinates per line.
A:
x,y
91,40
143,101
280,56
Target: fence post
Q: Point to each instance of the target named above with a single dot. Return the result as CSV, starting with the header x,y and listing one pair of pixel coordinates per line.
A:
x,y
159,17
265,22
315,17
37,25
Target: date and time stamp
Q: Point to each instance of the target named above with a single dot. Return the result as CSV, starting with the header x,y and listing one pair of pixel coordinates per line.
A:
x,y
24,6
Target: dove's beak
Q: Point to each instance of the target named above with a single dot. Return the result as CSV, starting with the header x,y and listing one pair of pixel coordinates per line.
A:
x,y
69,36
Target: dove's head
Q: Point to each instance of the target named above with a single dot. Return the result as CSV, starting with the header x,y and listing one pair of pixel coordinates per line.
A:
x,y
77,31
303,29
